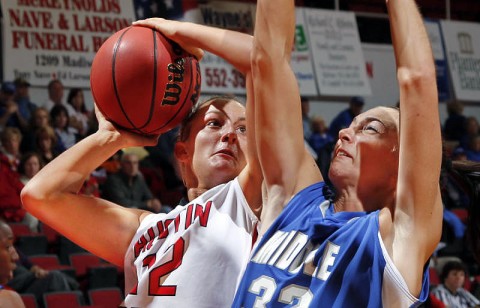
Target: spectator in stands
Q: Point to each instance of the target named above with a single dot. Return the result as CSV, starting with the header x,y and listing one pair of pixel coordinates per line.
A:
x,y
60,118
33,279
9,113
8,259
472,129
55,94
454,125
345,117
307,122
473,150
25,106
30,164
128,187
79,115
321,142
10,151
451,291
11,209
40,118
47,144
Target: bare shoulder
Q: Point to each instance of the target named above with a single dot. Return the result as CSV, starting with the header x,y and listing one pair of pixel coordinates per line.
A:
x,y
10,299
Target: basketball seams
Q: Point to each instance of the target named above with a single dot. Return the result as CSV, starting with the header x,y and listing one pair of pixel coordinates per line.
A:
x,y
117,95
154,80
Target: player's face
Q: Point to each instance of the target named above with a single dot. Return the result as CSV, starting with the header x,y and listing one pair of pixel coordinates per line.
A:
x,y
8,254
217,143
366,153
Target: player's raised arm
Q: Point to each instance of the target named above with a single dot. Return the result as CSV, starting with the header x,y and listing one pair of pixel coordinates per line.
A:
x,y
417,219
232,46
101,227
286,165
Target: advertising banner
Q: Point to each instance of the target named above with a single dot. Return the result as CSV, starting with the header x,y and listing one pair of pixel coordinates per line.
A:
x,y
436,40
462,42
46,40
219,76
337,53
301,62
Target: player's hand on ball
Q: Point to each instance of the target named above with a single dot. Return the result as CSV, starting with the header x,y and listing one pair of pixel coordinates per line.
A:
x,y
128,138
169,28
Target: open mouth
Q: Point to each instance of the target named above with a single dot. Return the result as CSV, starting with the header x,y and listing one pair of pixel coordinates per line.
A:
x,y
341,152
226,152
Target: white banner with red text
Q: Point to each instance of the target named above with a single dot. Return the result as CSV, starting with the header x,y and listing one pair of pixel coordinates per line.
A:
x,y
45,40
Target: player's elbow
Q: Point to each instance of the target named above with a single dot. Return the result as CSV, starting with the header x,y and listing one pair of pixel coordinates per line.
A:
x,y
259,57
413,78
32,196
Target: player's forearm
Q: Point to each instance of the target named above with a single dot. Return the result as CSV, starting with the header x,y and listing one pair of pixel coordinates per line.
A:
x,y
66,173
279,134
233,46
410,38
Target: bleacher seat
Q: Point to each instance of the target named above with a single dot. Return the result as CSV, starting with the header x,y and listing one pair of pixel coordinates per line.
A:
x,y
92,271
51,262
70,299
20,229
105,297
29,300
32,244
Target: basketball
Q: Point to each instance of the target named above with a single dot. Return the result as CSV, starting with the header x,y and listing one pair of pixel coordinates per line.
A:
x,y
143,82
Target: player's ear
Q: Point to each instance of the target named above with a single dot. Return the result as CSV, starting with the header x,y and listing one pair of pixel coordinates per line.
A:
x,y
180,152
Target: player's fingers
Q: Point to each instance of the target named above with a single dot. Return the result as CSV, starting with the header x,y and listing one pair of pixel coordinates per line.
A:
x,y
160,24
195,51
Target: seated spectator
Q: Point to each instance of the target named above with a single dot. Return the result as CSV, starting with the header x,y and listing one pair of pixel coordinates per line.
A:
x,y
321,142
11,209
472,129
61,124
128,188
79,115
345,117
25,106
40,118
473,149
32,279
55,94
454,125
47,144
10,152
451,291
10,115
8,259
29,165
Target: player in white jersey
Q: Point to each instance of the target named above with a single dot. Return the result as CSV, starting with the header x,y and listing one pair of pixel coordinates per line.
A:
x,y
193,256
370,246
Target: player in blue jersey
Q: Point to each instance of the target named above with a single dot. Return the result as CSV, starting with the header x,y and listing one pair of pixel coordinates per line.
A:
x,y
370,247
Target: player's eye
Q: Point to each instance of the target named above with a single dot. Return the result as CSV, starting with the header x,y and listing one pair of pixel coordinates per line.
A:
x,y
213,123
369,128
242,129
373,127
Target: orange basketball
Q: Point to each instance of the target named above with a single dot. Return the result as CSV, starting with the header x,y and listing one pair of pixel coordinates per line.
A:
x,y
143,82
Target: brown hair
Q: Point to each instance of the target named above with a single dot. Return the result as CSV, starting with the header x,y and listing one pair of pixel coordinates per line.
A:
x,y
186,124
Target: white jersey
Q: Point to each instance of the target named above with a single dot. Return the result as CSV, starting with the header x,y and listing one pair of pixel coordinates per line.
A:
x,y
194,255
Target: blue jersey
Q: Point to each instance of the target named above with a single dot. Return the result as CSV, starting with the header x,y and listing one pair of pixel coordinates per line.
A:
x,y
313,257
